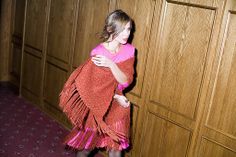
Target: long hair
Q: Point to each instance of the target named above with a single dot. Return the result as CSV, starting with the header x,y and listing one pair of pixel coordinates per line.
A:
x,y
114,24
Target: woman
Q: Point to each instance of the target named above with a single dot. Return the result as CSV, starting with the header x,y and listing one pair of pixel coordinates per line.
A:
x,y
92,96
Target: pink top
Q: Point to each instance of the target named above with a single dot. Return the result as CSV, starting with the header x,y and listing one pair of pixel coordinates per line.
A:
x,y
125,52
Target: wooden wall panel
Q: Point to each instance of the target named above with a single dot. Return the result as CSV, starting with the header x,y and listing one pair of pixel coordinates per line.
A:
x,y
211,148
222,113
90,24
177,59
207,3
134,115
54,80
16,60
16,40
163,138
35,23
19,18
59,48
5,38
32,76
219,116
34,50
60,29
178,65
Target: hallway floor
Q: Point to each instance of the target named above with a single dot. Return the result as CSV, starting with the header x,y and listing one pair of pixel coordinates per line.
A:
x,y
26,131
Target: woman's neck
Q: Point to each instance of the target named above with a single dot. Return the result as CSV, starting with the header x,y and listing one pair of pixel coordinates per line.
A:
x,y
112,46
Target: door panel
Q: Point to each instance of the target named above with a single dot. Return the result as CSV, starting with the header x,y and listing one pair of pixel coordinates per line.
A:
x,y
19,18
222,113
16,60
159,140
35,28
218,131
32,78
207,3
210,149
91,19
54,80
35,23
17,40
60,29
179,61
59,49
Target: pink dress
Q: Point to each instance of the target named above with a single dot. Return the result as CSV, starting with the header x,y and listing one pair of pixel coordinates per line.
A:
x,y
117,117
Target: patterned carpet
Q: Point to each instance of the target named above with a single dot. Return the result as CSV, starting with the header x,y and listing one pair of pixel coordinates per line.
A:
x,y
27,132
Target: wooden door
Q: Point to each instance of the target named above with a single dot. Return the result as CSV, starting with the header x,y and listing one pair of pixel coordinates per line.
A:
x,y
33,55
179,60
218,129
60,43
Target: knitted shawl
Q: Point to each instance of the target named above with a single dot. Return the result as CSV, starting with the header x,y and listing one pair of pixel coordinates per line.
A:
x,y
91,89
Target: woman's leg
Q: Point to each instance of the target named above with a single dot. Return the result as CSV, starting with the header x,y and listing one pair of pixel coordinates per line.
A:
x,y
83,153
114,153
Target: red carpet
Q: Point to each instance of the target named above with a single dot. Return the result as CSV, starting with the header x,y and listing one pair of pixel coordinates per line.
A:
x,y
27,132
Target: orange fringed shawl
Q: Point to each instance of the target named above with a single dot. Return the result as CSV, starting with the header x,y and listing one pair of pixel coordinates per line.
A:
x,y
91,89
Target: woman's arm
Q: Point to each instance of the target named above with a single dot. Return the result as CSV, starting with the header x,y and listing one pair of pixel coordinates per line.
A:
x,y
103,61
118,74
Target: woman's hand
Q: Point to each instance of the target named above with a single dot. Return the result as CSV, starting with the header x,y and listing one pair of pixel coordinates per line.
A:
x,y
123,101
103,61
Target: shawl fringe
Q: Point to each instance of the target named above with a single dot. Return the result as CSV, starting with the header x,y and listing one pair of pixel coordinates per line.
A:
x,y
73,106
77,111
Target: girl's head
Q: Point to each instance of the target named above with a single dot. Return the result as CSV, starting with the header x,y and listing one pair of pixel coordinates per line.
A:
x,y
117,26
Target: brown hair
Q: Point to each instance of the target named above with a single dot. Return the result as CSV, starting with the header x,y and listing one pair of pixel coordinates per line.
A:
x,y
114,24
